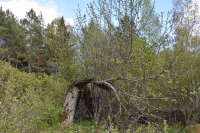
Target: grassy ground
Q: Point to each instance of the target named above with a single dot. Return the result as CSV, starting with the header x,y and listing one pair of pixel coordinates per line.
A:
x,y
86,126
78,126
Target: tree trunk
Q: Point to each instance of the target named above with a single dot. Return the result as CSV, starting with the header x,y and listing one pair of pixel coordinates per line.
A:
x,y
16,62
13,61
38,62
29,63
67,116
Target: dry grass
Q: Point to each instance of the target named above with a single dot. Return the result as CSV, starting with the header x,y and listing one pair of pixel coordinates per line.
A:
x,y
193,129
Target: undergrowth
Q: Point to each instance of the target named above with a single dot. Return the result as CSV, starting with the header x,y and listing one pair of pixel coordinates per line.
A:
x,y
86,126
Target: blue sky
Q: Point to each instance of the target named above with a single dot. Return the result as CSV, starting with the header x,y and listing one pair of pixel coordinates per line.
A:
x,y
67,7
163,5
56,8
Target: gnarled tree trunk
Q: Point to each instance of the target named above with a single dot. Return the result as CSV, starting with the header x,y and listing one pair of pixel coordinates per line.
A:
x,y
69,107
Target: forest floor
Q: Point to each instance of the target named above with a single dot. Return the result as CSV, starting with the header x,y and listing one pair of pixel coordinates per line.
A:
x,y
86,126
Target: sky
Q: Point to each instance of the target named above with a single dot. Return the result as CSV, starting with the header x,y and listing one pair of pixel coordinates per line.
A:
x,y
52,9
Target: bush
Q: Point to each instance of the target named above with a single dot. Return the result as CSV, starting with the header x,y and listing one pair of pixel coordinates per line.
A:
x,y
28,102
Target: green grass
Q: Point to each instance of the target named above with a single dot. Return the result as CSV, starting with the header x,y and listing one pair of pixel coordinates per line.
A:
x,y
78,126
86,126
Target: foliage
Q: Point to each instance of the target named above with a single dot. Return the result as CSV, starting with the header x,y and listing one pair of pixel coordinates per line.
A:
x,y
155,66
60,49
27,101
158,59
33,26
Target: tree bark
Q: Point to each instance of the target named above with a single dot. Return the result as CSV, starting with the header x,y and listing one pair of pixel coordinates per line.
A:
x,y
38,62
67,116
69,106
29,63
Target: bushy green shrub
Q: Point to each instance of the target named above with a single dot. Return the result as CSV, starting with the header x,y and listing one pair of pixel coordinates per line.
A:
x,y
28,102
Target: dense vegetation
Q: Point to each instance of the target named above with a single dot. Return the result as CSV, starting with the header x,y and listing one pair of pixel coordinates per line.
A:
x,y
158,61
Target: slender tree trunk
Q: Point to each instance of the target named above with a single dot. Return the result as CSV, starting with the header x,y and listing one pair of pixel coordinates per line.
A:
x,y
16,63
56,66
9,59
29,63
130,50
13,61
38,62
94,105
100,106
6,44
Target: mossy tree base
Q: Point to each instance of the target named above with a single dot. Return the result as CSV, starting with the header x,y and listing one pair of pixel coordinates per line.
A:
x,y
73,96
69,106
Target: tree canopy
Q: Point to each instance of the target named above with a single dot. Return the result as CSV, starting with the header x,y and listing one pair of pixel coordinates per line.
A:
x,y
149,66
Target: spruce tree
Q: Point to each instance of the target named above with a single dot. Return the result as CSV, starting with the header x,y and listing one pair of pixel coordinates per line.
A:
x,y
60,46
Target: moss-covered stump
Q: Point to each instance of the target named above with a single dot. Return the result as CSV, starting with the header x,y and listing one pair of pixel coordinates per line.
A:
x,y
67,116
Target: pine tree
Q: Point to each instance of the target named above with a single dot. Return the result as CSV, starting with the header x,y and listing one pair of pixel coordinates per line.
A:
x,y
34,33
13,43
3,31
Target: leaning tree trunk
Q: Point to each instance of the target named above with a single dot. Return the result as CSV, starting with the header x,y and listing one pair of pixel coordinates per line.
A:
x,y
71,99
69,105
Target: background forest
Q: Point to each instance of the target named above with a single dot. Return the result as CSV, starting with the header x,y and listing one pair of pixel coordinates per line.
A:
x,y
157,60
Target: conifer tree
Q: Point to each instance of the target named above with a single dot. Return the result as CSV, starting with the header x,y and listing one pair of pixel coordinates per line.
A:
x,y
34,33
13,43
60,44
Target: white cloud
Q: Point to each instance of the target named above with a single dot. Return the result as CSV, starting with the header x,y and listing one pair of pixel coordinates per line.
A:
x,y
70,21
20,7
191,17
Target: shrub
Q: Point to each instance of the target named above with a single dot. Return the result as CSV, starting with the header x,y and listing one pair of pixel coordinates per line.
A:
x,y
27,101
